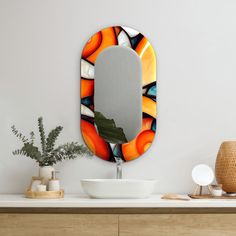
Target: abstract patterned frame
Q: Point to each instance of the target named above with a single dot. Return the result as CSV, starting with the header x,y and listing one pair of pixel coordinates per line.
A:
x,y
127,37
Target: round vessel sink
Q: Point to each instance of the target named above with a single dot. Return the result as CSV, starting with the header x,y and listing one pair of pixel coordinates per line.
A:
x,y
118,188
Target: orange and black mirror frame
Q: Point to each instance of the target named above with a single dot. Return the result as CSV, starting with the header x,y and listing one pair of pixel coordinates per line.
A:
x,y
125,37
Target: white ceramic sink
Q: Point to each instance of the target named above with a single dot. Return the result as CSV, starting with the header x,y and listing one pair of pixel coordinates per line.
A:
x,y
118,188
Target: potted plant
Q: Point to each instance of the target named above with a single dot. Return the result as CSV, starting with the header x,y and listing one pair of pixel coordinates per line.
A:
x,y
48,154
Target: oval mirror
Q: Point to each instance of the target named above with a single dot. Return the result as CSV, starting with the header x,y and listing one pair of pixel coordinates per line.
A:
x,y
118,94
118,90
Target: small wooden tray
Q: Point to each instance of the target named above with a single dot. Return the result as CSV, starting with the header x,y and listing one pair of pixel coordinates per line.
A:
x,y
209,196
45,195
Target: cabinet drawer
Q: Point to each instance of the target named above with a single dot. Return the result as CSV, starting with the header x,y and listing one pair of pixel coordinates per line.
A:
x,y
178,224
58,225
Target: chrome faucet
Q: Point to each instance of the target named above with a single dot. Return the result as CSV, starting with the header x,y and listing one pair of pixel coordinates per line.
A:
x,y
119,168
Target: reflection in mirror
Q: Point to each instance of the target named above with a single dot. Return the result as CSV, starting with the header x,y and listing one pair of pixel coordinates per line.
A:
x,y
118,94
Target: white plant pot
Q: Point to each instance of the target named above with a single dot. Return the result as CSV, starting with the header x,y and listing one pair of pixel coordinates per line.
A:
x,y
46,173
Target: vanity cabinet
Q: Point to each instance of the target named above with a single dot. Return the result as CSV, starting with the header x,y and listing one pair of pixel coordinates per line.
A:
x,y
120,224
58,225
178,225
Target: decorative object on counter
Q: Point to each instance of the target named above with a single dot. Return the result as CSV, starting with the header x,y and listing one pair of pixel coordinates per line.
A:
x,y
119,37
45,194
35,182
210,196
46,173
203,176
216,190
174,196
48,155
225,167
41,188
54,183
230,194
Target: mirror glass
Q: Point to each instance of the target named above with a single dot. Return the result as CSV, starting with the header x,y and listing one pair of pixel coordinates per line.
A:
x,y
118,88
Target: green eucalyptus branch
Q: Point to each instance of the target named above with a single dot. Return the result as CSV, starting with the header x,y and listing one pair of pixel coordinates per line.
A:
x,y
18,134
71,151
52,137
42,134
49,154
19,152
32,137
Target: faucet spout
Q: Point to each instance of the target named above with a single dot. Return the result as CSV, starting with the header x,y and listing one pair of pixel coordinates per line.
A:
x,y
119,169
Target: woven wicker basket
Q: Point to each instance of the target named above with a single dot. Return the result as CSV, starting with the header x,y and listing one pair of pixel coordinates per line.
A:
x,y
225,168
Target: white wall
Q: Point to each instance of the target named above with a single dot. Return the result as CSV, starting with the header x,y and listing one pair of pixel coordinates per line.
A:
x,y
40,47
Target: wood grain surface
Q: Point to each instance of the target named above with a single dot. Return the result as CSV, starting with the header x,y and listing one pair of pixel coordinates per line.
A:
x,y
58,225
178,225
